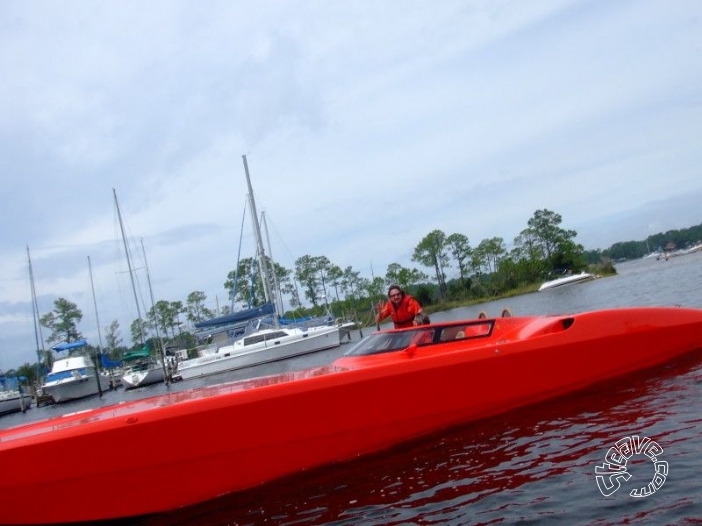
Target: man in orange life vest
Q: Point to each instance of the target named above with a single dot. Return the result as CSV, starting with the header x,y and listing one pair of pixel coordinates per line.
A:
x,y
403,308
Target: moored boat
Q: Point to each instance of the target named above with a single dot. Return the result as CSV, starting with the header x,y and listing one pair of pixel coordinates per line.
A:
x,y
390,387
73,377
262,346
568,279
141,369
13,397
257,345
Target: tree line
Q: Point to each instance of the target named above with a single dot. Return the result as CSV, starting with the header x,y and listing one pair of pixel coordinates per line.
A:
x,y
661,242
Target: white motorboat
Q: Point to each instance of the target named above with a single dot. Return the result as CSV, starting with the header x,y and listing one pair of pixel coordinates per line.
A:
x,y
12,397
266,345
74,377
566,280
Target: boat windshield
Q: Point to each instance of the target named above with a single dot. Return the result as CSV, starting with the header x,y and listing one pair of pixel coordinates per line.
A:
x,y
421,336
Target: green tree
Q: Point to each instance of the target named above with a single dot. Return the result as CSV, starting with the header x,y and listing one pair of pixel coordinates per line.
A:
x,y
404,277
246,285
178,309
335,276
195,307
138,330
545,239
29,371
112,337
163,315
289,288
62,322
310,272
459,248
432,252
488,254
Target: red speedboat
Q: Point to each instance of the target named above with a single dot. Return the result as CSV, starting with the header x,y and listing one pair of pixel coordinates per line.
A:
x,y
182,448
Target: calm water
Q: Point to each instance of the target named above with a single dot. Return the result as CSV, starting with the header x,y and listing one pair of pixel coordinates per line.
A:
x,y
530,466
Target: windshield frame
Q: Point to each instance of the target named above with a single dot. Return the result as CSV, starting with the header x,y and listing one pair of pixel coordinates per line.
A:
x,y
421,336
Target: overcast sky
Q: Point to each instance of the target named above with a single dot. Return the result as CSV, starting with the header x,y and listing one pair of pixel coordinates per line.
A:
x,y
366,125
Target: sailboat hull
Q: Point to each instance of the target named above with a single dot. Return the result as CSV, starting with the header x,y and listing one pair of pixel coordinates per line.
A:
x,y
141,378
14,402
261,347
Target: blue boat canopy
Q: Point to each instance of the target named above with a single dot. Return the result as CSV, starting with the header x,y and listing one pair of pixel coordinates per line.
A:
x,y
68,346
238,317
109,364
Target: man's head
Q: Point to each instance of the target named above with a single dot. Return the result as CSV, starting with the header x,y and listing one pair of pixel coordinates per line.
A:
x,y
395,294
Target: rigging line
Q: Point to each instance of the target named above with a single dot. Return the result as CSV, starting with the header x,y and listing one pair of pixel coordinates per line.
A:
x,y
129,264
97,318
238,259
279,240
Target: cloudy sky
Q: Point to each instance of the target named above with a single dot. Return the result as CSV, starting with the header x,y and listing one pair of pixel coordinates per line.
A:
x,y
366,125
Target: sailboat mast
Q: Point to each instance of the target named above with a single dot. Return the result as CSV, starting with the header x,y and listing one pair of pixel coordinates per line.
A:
x,y
35,312
238,259
97,319
129,266
259,242
153,307
276,286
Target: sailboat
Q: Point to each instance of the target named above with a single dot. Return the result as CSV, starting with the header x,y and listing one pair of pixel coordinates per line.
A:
x,y
13,397
261,345
141,368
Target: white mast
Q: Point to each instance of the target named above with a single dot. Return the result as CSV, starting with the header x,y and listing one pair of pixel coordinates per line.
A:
x,y
129,266
97,320
153,307
259,243
35,311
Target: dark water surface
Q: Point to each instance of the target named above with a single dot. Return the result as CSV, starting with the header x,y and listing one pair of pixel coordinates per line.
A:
x,y
533,465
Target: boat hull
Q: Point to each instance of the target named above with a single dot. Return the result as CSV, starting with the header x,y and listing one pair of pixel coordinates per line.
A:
x,y
567,280
134,379
14,403
355,406
231,358
76,388
74,377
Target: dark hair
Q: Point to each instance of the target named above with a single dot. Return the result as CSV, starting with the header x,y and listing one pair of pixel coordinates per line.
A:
x,y
422,319
396,287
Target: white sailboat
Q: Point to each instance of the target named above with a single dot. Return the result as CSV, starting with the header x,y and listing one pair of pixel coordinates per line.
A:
x,y
141,367
263,345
